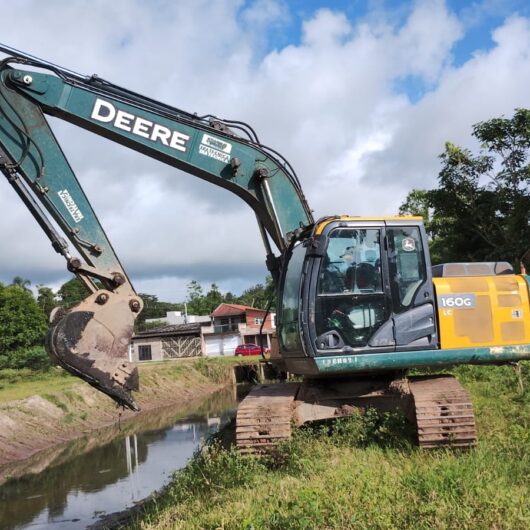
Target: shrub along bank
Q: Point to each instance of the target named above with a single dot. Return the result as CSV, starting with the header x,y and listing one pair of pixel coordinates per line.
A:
x,y
365,473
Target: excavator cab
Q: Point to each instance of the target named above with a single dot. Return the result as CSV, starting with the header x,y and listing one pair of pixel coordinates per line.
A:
x,y
358,286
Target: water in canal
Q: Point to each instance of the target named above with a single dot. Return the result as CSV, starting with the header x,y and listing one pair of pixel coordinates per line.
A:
x,y
72,485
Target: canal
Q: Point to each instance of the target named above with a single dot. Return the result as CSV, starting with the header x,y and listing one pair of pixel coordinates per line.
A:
x,y
74,484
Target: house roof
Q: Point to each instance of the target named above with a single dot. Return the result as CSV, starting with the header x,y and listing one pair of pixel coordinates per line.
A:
x,y
177,329
226,310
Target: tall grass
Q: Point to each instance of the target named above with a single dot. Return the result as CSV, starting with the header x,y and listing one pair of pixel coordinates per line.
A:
x,y
364,472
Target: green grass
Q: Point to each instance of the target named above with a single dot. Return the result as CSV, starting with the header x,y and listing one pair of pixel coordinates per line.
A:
x,y
216,369
365,473
23,383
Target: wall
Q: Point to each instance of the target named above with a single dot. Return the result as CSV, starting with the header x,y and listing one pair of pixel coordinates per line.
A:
x,y
162,348
156,348
251,315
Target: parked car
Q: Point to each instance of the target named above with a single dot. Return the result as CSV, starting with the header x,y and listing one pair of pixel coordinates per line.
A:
x,y
250,349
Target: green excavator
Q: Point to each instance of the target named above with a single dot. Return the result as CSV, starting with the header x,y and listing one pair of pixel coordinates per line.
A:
x,y
359,303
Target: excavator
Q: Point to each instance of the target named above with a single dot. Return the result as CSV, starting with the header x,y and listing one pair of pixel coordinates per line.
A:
x,y
359,304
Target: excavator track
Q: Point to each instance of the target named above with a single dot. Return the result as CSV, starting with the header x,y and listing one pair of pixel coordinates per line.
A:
x,y
444,412
264,418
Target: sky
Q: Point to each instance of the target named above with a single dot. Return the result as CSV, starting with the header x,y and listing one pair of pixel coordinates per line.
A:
x,y
359,95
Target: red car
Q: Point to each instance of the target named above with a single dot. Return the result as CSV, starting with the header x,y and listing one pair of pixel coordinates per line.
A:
x,y
250,349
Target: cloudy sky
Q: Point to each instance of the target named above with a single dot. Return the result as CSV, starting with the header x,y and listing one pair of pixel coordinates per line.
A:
x,y
359,95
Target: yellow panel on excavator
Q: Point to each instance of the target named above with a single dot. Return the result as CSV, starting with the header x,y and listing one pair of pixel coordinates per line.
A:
x,y
482,311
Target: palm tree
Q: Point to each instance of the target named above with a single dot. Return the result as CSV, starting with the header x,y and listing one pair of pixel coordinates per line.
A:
x,y
22,283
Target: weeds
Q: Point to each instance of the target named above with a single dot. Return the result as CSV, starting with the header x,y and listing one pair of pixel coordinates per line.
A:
x,y
56,401
363,472
213,369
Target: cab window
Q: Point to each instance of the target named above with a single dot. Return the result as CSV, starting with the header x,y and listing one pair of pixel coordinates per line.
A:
x,y
406,265
289,333
352,263
350,298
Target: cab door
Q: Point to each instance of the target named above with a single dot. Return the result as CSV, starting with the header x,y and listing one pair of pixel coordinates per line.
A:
x,y
410,284
352,305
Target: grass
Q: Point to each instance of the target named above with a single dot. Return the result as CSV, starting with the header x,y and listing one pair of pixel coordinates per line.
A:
x,y
365,473
23,383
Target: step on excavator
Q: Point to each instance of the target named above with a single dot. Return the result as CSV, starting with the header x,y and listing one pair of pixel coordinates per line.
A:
x,y
359,304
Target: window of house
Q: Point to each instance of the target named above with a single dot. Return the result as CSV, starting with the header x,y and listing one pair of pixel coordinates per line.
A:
x,y
144,352
258,321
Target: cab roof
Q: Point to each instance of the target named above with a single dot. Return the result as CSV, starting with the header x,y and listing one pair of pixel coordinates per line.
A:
x,y
321,224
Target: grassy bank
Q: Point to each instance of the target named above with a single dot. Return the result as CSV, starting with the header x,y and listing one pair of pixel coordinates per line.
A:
x,y
39,409
366,474
23,383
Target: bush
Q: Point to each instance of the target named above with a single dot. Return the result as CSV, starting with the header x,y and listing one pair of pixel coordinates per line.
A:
x,y
215,370
12,376
22,322
34,358
213,468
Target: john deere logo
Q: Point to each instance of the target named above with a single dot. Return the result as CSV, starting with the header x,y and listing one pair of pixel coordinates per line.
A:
x,y
216,143
408,244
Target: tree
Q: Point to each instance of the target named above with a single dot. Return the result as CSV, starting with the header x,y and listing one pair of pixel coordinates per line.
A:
x,y
213,298
72,292
230,298
154,308
199,303
46,299
196,300
259,295
21,282
22,322
151,308
480,211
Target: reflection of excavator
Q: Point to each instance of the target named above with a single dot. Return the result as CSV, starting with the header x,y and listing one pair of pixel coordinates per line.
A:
x,y
358,303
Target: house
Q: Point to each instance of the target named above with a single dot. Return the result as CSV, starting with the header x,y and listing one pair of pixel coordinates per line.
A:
x,y
167,342
193,336
234,324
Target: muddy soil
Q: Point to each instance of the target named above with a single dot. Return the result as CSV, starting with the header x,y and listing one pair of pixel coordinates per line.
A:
x,y
40,422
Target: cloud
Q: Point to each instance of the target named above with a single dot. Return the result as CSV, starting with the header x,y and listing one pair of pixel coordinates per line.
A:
x,y
334,103
263,13
489,84
427,39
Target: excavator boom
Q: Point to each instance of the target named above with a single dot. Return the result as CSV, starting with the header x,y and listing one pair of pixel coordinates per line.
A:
x,y
91,340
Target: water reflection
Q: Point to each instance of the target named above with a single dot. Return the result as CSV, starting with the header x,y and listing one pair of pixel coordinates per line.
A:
x,y
108,470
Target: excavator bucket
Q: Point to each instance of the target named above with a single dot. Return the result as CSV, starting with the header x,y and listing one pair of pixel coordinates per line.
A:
x,y
91,342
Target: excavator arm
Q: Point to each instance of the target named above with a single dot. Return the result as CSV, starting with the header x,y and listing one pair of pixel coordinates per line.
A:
x,y
91,340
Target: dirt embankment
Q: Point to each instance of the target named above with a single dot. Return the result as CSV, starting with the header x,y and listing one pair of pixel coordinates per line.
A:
x,y
41,421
